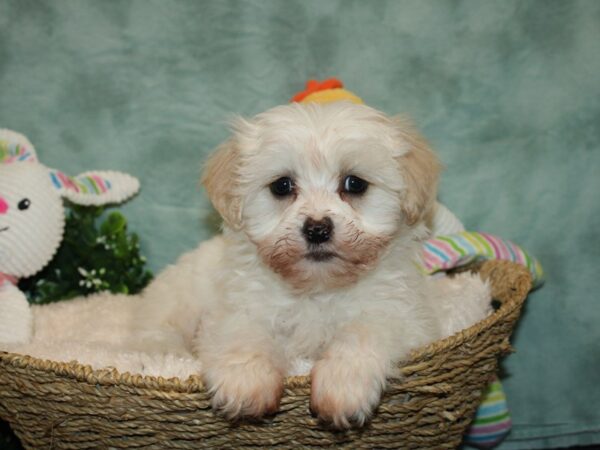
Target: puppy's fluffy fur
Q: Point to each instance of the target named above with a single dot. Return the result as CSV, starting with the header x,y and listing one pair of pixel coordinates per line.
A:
x,y
253,300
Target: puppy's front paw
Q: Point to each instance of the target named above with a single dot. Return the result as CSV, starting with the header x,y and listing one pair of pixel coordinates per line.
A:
x,y
345,393
248,390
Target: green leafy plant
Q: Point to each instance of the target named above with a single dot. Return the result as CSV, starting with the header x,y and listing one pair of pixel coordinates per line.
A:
x,y
97,254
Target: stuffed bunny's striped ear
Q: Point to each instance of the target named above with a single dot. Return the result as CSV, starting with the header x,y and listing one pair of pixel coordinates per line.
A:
x,y
95,188
15,147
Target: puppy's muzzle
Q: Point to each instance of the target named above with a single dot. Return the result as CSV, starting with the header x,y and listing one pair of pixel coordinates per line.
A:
x,y
317,231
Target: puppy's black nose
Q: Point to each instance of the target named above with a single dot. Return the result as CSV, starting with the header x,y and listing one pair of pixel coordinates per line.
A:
x,y
317,231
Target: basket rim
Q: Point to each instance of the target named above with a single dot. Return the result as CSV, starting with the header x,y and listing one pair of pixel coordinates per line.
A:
x,y
111,376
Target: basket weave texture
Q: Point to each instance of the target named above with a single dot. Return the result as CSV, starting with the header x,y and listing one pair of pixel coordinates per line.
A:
x,y
70,406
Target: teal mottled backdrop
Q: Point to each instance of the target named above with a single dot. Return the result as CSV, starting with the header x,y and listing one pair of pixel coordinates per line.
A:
x,y
507,91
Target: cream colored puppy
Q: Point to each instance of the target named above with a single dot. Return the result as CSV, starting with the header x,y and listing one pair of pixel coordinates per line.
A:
x,y
324,208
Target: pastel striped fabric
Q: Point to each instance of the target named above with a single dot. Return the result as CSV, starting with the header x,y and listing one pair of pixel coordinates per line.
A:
x,y
492,421
447,252
85,184
14,152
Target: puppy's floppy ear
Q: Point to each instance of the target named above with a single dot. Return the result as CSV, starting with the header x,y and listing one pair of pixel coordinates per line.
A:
x,y
420,169
220,179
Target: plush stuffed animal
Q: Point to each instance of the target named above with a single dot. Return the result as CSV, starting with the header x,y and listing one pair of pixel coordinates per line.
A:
x,y
32,220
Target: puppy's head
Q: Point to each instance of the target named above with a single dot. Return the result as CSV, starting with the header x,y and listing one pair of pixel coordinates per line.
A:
x,y
322,190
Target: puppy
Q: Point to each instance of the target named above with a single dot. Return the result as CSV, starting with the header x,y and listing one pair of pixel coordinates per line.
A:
x,y
324,209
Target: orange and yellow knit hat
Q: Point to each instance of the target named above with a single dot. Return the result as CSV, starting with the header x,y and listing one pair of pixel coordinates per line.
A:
x,y
327,91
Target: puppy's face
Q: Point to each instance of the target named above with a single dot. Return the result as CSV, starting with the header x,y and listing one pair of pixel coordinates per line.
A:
x,y
322,190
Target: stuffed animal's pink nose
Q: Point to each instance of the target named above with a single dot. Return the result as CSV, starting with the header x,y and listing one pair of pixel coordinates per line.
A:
x,y
3,206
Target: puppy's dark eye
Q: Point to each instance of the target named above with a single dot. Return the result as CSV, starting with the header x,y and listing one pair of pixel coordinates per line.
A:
x,y
282,187
24,204
354,185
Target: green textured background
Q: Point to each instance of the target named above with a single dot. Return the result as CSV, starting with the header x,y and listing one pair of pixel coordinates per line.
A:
x,y
507,91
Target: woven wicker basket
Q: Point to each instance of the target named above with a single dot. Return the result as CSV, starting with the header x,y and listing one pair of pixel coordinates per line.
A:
x,y
70,406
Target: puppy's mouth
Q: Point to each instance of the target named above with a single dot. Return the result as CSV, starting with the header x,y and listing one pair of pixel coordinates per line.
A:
x,y
320,255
